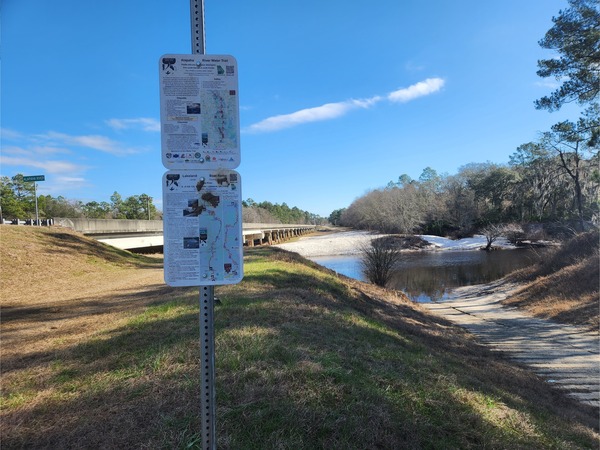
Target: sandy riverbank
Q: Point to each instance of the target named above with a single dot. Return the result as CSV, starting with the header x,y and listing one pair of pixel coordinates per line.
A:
x,y
349,243
330,244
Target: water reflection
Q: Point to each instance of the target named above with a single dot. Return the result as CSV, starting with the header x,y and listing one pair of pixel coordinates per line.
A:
x,y
429,276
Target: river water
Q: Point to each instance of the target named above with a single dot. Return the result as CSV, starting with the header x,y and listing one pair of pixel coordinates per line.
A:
x,y
429,275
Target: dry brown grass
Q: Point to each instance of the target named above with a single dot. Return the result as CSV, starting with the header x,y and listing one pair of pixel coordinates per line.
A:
x,y
563,286
62,292
57,284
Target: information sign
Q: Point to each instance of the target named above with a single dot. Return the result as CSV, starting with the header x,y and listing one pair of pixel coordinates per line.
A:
x,y
202,227
34,178
199,111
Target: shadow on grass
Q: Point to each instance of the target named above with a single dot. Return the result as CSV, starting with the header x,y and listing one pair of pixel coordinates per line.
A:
x,y
48,322
83,306
131,387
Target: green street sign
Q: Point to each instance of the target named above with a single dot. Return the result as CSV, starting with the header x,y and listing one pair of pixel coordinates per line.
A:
x,y
34,178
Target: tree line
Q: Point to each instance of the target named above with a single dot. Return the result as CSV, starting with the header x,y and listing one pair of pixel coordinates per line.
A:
x,y
17,201
267,212
531,188
553,179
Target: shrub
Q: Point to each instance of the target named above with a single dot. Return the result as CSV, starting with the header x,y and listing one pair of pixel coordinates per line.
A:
x,y
378,260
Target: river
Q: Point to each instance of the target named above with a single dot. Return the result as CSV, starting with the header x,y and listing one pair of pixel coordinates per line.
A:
x,y
427,276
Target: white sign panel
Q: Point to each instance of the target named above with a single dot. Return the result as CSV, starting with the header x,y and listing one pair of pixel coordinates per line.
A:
x,y
199,111
203,244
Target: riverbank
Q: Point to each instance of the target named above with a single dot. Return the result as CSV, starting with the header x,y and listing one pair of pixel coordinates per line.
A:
x,y
431,266
346,243
562,286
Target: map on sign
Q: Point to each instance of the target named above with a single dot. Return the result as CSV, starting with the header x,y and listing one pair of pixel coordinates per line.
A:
x,y
199,111
203,241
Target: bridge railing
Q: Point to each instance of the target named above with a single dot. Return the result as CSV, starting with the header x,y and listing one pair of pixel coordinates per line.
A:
x,y
253,233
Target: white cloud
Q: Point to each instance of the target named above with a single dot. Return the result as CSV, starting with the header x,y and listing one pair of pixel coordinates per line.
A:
x,y
143,123
10,134
61,156
330,111
49,166
547,84
324,112
420,89
96,142
61,184
414,67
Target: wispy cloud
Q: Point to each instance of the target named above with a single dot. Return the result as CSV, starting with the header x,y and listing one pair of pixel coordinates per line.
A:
x,y
65,175
95,142
9,134
65,158
48,166
414,67
324,112
141,123
38,151
547,84
330,111
420,89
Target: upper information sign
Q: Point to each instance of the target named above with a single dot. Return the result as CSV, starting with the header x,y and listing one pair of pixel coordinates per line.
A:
x,y
199,112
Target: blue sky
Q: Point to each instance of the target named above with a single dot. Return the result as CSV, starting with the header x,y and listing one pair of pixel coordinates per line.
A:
x,y
336,97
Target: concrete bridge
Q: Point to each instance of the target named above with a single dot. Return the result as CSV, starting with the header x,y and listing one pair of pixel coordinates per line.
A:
x,y
141,234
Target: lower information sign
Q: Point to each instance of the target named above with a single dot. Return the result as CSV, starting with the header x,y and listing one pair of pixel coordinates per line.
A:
x,y
203,244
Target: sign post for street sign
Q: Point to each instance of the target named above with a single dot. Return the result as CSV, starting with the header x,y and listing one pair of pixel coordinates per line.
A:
x,y
35,178
202,217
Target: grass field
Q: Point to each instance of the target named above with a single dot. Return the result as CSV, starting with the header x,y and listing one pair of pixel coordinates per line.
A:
x,y
98,353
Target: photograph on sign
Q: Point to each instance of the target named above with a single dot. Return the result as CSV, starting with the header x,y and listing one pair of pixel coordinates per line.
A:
x,y
199,111
202,227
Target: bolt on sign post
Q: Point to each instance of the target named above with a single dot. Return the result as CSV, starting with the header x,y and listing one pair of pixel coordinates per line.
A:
x,y
202,197
35,178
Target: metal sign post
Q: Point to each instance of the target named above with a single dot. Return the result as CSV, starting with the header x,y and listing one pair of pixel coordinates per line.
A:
x,y
202,202
35,178
197,25
207,293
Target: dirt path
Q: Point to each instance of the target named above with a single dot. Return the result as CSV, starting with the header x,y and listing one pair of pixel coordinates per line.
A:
x,y
564,355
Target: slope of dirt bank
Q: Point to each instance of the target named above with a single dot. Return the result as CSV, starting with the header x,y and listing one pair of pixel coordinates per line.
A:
x,y
564,285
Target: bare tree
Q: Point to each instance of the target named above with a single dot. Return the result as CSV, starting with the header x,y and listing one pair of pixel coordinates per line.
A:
x,y
379,260
493,232
570,142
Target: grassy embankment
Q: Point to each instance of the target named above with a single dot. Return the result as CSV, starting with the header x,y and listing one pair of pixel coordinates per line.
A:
x,y
563,286
97,352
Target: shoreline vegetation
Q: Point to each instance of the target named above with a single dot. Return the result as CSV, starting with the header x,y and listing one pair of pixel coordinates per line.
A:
x,y
98,352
